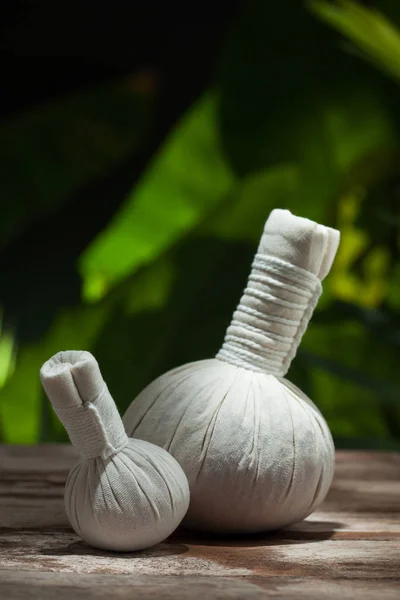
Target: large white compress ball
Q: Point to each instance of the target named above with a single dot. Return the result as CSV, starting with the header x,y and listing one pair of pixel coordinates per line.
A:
x,y
256,451
123,494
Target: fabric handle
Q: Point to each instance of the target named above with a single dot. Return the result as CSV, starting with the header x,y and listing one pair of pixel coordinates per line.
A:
x,y
283,289
75,387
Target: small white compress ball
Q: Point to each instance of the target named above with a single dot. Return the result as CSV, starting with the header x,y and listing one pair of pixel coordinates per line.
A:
x,y
122,494
256,451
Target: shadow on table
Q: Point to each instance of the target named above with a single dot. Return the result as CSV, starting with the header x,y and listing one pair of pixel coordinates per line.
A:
x,y
301,533
80,548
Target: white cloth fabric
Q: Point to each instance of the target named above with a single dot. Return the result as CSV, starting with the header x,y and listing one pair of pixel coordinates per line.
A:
x,y
283,289
257,452
122,494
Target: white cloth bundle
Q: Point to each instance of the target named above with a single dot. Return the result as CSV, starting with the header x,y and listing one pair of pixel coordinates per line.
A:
x,y
122,494
257,452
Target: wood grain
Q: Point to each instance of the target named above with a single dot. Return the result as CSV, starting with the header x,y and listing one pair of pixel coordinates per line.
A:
x,y
350,548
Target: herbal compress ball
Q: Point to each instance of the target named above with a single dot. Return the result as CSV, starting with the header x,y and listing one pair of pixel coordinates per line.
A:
x,y
122,494
256,451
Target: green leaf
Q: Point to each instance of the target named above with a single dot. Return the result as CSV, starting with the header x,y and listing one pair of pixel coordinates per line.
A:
x,y
386,391
186,180
378,323
351,410
135,347
376,38
290,96
7,354
21,396
49,153
354,376
25,413
296,123
243,214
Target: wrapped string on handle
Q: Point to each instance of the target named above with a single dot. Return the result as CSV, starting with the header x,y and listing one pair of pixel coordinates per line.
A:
x,y
282,292
269,323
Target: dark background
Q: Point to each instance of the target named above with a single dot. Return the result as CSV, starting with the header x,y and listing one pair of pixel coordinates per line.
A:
x,y
55,50
285,112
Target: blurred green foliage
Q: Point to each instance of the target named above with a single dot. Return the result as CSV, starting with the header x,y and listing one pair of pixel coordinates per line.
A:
x,y
296,118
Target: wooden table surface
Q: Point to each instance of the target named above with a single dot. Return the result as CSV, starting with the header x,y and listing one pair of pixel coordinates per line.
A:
x,y
350,548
